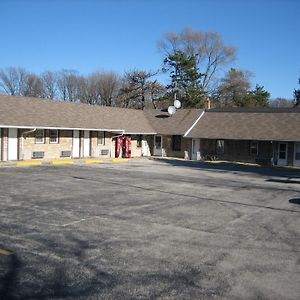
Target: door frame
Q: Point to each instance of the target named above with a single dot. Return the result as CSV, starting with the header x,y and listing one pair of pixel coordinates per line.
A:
x,y
296,161
197,146
158,152
13,142
86,143
77,139
282,162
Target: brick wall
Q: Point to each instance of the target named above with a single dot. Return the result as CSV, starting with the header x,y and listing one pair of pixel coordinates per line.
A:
x,y
137,143
186,145
96,148
52,151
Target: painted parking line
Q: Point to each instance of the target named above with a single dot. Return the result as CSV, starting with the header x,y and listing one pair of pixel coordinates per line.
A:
x,y
28,163
5,252
61,162
118,160
93,161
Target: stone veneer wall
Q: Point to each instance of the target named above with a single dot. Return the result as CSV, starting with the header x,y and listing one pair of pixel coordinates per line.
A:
x,y
96,148
27,144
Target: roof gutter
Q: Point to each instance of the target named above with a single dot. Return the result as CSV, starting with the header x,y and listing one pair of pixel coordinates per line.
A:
x,y
63,128
189,130
22,140
137,133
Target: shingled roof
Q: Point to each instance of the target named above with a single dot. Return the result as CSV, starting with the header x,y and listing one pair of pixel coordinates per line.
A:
x,y
240,124
176,124
33,112
249,124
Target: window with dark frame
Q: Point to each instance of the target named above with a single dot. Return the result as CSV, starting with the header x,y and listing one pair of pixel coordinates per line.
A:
x,y
40,136
139,141
101,138
254,148
176,142
53,136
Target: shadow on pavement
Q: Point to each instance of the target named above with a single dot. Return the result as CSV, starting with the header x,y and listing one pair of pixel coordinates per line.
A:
x,y
234,167
295,201
10,279
38,277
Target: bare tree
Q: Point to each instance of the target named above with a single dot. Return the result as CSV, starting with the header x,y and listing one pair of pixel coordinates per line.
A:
x,y
49,81
206,48
13,80
137,88
67,84
108,86
281,102
33,86
100,88
156,92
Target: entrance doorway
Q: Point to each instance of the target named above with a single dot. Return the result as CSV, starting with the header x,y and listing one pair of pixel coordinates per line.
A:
x,y
195,148
157,145
12,144
86,143
282,154
297,154
76,144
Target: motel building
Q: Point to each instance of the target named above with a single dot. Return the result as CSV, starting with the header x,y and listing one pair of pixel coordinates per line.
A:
x,y
40,129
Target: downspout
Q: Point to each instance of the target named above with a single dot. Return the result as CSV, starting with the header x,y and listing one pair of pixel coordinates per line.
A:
x,y
22,140
111,142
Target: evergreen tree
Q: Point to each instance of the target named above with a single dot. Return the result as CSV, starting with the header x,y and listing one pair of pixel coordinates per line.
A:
x,y
185,79
258,97
297,96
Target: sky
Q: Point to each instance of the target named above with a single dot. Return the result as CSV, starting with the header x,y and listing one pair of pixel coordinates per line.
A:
x,y
122,35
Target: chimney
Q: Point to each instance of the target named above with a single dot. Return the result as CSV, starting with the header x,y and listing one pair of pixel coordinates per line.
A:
x,y
207,103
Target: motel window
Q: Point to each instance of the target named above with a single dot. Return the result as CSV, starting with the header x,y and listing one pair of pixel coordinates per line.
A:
x,y
139,141
176,143
101,138
253,148
39,136
220,149
53,136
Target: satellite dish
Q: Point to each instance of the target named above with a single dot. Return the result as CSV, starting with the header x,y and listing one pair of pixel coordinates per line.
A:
x,y
171,110
177,104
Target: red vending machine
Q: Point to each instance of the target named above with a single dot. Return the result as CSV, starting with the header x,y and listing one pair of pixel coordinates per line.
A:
x,y
127,142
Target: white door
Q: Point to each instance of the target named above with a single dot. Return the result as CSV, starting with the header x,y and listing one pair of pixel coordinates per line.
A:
x,y
86,143
282,154
145,148
297,155
157,145
12,144
195,148
76,144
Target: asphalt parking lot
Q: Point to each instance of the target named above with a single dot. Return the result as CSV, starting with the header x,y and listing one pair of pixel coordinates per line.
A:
x,y
149,230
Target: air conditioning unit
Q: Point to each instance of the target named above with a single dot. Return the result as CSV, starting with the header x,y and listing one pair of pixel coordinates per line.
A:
x,y
104,152
65,153
37,154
